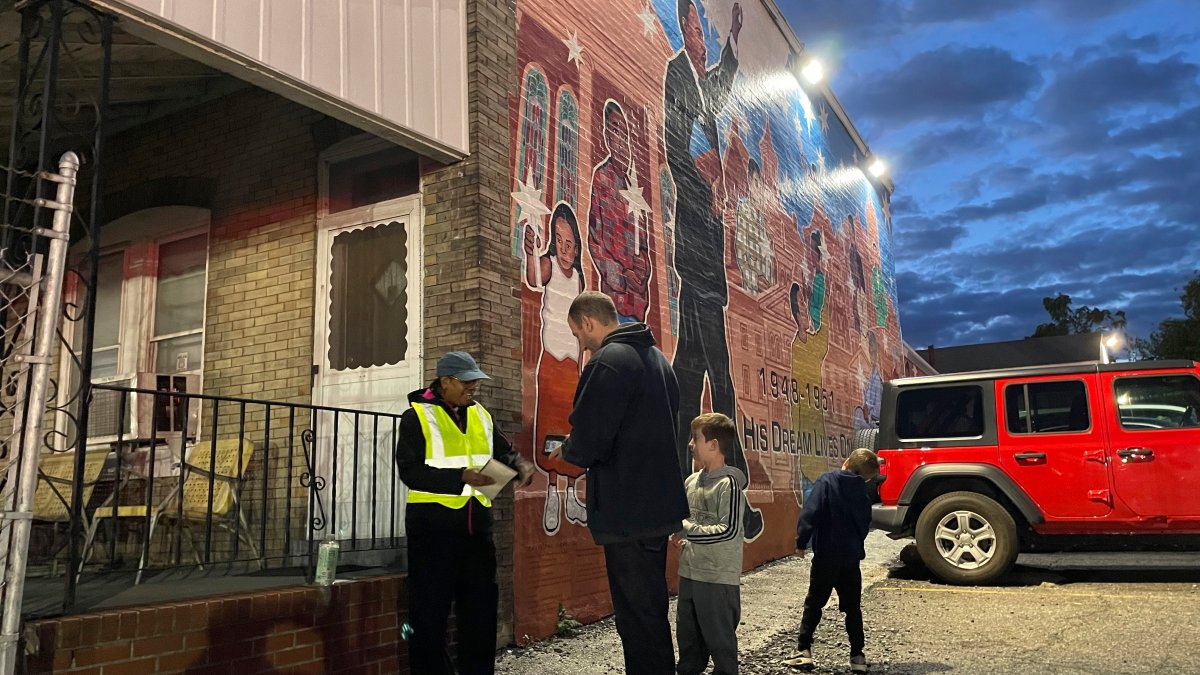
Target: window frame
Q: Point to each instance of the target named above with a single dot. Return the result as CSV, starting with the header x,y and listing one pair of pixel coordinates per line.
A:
x,y
149,338
982,402
138,296
1028,417
1145,376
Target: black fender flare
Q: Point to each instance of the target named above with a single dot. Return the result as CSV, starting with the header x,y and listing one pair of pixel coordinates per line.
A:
x,y
990,473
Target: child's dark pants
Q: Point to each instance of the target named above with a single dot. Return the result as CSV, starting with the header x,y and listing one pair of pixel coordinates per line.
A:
x,y
822,580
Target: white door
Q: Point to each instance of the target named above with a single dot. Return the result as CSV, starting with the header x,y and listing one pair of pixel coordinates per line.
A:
x,y
367,357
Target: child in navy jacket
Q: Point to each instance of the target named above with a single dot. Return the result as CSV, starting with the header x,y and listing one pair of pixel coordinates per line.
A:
x,y
835,520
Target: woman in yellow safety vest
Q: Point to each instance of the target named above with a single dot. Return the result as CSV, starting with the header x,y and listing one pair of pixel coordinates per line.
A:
x,y
445,438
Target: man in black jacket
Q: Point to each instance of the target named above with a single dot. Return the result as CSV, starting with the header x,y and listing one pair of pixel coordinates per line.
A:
x,y
623,433
445,437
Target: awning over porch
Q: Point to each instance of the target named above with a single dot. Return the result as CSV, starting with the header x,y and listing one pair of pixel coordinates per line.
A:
x,y
400,75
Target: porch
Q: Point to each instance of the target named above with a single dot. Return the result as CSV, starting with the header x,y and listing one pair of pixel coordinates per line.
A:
x,y
167,514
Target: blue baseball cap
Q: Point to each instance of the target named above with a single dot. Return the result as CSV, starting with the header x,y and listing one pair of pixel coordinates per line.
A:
x,y
460,366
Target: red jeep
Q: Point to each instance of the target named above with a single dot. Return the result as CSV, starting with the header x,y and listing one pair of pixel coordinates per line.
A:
x,y
981,466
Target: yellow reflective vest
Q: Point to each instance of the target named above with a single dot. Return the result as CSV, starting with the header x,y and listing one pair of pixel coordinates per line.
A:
x,y
448,448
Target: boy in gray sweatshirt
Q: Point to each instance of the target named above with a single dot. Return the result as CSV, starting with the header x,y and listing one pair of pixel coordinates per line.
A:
x,y
710,558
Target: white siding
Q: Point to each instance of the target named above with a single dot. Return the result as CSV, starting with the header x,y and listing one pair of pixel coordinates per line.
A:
x,y
397,63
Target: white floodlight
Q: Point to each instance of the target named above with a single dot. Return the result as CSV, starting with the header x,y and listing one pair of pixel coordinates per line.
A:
x,y
813,71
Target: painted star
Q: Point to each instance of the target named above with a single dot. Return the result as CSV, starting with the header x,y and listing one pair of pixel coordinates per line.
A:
x,y
529,198
820,161
806,104
649,21
824,119
574,51
800,127
637,205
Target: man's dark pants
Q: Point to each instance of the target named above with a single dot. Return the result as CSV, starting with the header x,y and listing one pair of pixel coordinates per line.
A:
x,y
445,567
637,579
823,578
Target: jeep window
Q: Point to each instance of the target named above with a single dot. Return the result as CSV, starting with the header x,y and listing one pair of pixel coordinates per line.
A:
x,y
1046,407
940,412
1161,402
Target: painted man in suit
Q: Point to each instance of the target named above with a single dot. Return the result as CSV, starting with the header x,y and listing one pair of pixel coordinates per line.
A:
x,y
695,93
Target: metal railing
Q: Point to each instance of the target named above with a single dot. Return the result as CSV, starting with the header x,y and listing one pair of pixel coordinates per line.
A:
x,y
230,484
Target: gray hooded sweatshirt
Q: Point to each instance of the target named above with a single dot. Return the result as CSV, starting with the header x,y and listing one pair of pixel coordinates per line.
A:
x,y
712,552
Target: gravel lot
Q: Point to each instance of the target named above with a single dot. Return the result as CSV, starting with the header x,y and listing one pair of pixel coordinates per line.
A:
x,y
1085,613
772,597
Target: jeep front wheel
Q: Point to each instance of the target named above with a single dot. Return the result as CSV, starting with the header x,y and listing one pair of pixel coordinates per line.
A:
x,y
966,538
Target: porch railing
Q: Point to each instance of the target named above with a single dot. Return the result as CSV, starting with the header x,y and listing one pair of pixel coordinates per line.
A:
x,y
179,481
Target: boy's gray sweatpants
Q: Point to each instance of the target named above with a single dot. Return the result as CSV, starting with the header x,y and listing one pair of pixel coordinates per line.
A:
x,y
706,626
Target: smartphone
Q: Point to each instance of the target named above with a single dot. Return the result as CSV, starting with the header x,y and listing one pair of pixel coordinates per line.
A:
x,y
553,443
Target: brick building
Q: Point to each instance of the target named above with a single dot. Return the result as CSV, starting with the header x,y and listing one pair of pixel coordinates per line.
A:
x,y
301,206
294,223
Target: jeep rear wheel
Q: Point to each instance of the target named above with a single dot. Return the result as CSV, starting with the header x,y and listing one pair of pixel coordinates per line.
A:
x,y
966,538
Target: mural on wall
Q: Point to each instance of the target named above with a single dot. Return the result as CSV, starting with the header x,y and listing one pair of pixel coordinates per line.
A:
x,y
726,208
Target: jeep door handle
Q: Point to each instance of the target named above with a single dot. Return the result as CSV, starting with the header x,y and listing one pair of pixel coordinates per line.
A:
x,y
1135,453
1027,456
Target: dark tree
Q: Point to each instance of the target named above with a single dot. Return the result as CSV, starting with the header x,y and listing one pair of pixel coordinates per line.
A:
x,y
1177,338
1065,320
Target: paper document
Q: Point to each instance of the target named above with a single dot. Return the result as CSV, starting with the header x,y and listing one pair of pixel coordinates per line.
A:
x,y
498,472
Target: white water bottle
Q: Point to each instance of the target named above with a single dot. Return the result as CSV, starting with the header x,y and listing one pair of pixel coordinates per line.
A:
x,y
327,560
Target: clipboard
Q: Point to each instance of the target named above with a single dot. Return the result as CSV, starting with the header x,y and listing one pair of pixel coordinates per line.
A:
x,y
498,472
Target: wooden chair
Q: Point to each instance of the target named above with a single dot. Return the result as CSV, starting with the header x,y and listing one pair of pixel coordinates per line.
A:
x,y
192,490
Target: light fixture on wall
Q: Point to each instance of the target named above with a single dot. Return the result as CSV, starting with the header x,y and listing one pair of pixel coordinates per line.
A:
x,y
813,71
877,167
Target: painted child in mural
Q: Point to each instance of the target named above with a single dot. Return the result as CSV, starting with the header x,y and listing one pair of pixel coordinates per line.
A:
x,y
618,224
809,348
694,93
558,274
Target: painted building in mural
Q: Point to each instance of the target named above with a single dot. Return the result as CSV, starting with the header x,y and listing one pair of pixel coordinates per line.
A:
x,y
663,152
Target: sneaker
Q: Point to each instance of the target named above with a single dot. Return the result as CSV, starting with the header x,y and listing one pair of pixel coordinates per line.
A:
x,y
802,659
752,523
550,517
858,664
576,510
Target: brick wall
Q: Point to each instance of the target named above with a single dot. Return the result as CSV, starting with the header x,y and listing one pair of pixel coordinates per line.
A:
x,y
352,628
471,298
258,151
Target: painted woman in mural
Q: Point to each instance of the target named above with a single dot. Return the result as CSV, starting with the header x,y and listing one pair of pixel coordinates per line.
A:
x,y
809,348
695,93
558,274
618,222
